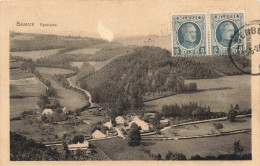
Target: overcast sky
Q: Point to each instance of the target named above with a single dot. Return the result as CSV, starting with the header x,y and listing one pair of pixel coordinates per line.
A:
x,y
112,18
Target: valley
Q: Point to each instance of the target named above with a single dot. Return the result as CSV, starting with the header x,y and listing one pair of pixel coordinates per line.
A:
x,y
91,89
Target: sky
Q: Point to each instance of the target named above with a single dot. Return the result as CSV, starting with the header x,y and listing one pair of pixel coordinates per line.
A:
x,y
111,19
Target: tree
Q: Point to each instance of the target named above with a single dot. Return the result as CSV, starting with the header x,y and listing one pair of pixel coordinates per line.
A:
x,y
134,136
232,115
218,126
78,138
175,156
158,156
237,147
156,122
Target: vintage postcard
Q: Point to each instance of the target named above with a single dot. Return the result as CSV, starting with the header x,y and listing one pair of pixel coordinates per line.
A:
x,y
112,82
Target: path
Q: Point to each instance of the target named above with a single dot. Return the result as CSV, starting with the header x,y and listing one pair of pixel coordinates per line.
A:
x,y
73,84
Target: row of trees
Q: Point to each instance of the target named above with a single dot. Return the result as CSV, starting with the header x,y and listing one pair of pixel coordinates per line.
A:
x,y
191,110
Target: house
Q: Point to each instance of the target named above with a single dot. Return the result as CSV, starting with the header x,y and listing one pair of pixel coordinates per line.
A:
x,y
165,121
98,134
79,146
65,110
47,111
144,126
120,120
108,124
150,114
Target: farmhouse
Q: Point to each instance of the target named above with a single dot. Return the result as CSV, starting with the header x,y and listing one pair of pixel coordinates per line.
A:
x,y
108,124
79,146
65,110
98,134
47,111
165,121
120,120
144,126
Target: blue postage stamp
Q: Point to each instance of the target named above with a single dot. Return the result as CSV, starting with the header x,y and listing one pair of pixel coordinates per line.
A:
x,y
225,33
189,35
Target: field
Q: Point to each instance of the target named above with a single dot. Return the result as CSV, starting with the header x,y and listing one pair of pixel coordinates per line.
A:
x,y
237,91
77,64
16,74
26,87
34,55
53,71
46,132
202,146
18,105
90,51
205,128
67,98
117,149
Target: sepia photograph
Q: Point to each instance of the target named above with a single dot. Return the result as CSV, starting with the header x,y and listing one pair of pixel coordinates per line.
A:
x,y
119,81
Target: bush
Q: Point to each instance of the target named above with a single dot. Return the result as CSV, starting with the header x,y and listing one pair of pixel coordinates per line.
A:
x,y
175,156
218,126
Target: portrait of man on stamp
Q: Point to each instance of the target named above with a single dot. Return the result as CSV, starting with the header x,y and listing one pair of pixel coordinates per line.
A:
x,y
189,34
224,28
227,31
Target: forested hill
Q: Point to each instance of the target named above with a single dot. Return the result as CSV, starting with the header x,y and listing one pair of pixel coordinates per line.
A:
x,y
25,150
152,69
148,69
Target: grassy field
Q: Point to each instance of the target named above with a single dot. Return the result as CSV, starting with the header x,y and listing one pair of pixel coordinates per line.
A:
x,y
46,132
77,64
67,98
53,71
239,92
34,55
205,128
18,105
202,146
26,87
16,74
23,84
90,51
117,149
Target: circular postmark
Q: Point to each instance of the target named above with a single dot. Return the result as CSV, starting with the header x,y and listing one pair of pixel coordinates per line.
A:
x,y
242,38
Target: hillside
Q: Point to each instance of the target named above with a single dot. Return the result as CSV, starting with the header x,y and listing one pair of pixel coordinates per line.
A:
x,y
152,69
223,64
163,41
33,42
147,70
26,150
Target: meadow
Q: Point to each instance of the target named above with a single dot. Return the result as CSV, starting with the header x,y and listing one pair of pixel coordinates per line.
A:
x,y
53,71
90,51
201,146
117,149
206,128
18,105
27,87
16,74
48,132
34,55
236,90
68,98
